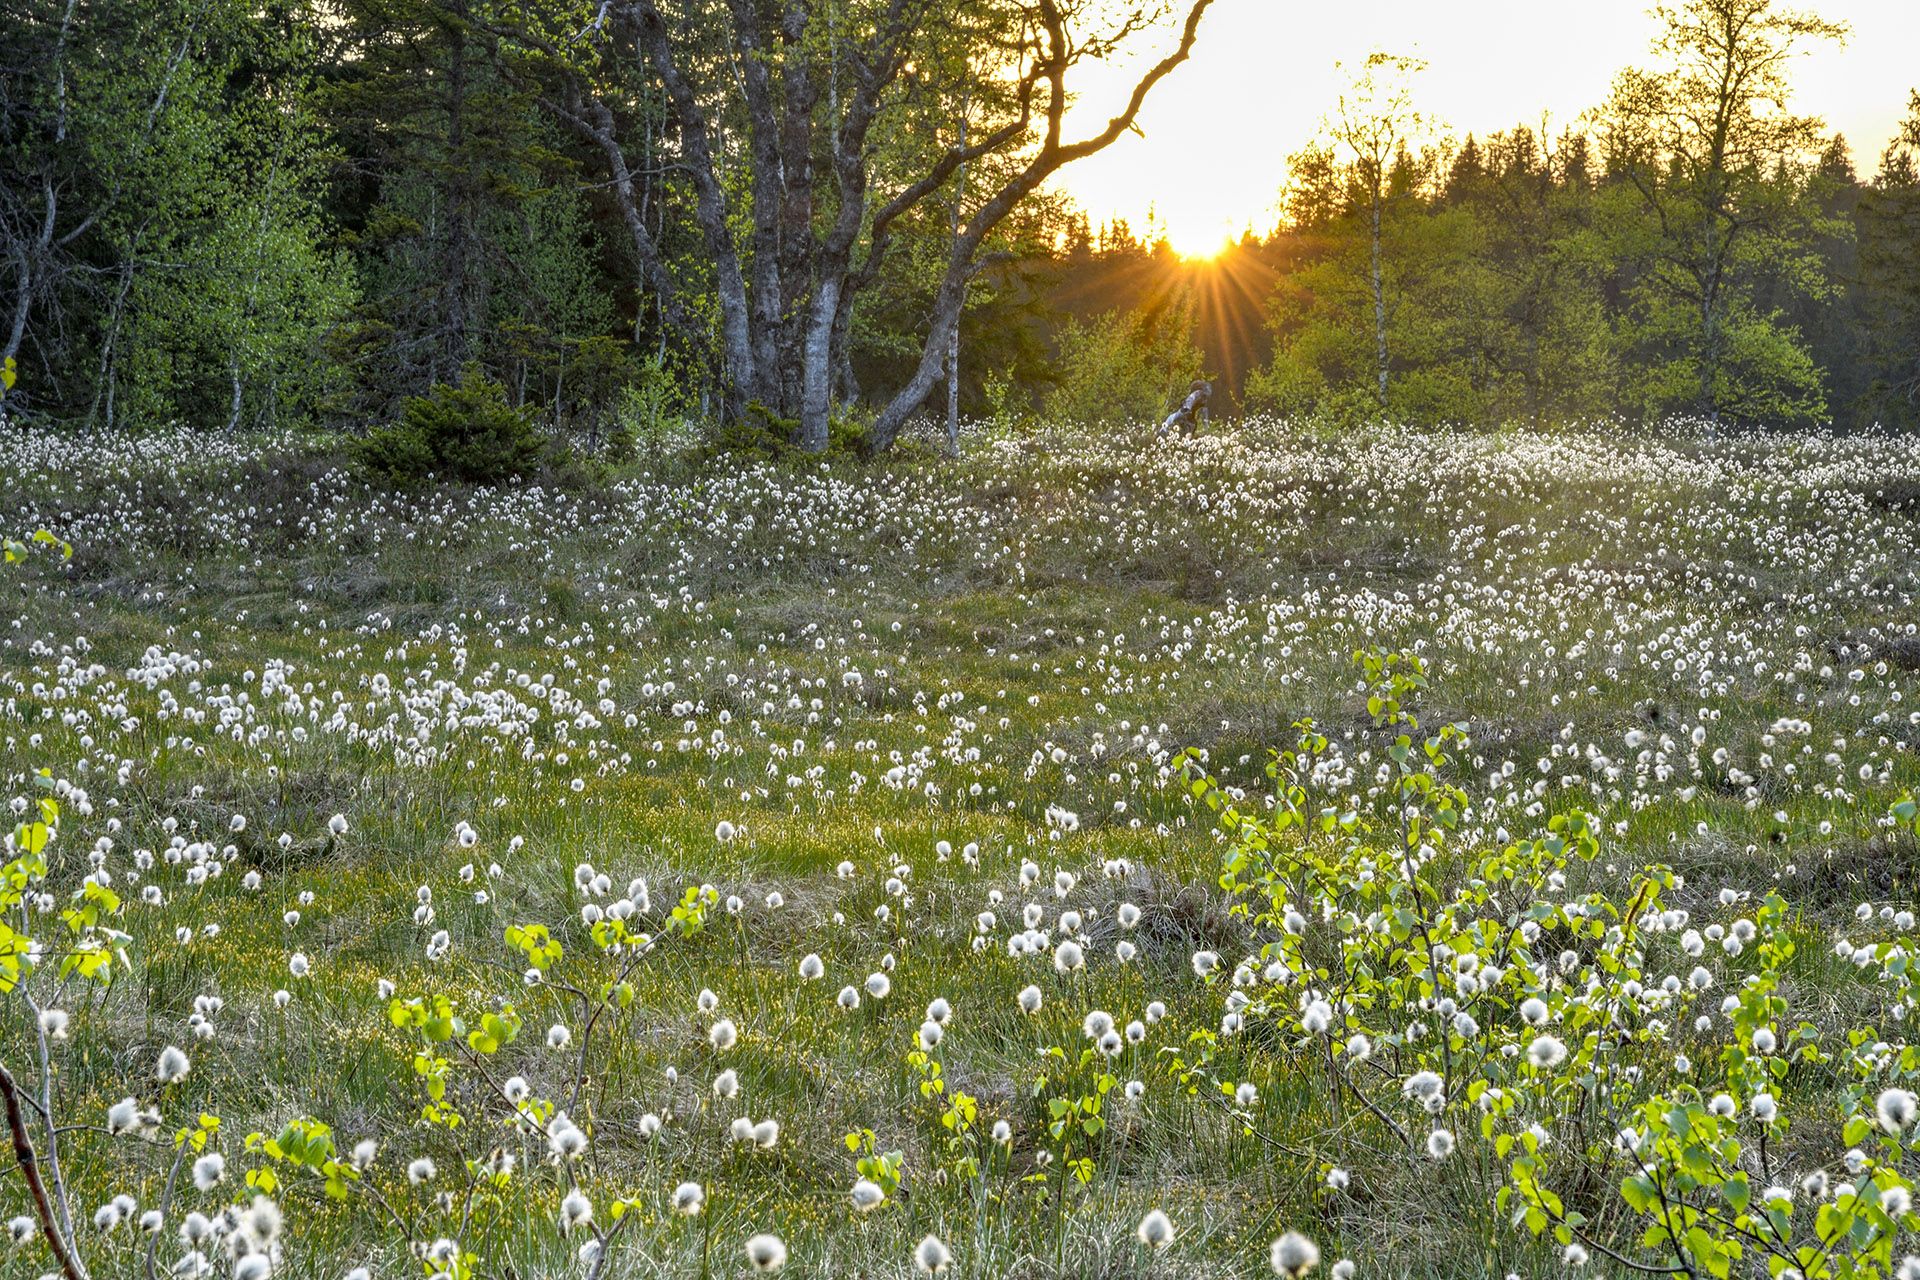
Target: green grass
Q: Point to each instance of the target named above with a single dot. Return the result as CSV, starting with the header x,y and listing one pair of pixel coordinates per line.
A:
x,y
1085,609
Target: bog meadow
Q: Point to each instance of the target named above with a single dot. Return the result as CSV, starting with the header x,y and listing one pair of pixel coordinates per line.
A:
x,y
638,643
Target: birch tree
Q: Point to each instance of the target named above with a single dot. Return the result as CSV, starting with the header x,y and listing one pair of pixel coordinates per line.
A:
x,y
781,108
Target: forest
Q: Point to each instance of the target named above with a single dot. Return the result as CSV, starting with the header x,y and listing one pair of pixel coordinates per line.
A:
x,y
789,221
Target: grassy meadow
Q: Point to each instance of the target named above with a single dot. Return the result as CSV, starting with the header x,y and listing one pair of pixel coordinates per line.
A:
x,y
812,774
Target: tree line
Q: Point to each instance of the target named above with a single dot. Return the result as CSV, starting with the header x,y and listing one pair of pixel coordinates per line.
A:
x,y
1697,248
227,210
1692,246
800,219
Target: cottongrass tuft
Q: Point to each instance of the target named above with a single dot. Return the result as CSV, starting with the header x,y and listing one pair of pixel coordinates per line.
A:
x,y
1546,1052
575,1211
766,1252
1293,1255
209,1171
931,1257
123,1116
172,1066
1895,1108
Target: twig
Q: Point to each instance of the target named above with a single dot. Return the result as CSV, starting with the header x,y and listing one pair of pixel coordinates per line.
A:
x,y
29,1162
1260,1134
166,1204
1378,1114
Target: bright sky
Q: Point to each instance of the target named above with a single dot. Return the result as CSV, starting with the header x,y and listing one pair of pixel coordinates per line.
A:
x,y
1218,130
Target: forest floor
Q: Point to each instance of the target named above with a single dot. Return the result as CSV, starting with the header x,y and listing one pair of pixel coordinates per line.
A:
x,y
920,718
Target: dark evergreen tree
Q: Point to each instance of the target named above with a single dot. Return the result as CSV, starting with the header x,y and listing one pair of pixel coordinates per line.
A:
x,y
1889,290
471,236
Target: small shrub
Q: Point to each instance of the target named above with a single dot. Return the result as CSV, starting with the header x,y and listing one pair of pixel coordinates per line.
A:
x,y
651,409
598,370
462,432
620,446
848,430
763,433
760,433
1124,368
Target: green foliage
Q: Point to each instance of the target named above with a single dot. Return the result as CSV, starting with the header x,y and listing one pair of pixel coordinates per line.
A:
x,y
1418,928
765,435
23,874
1322,319
598,370
175,155
1126,369
1751,368
1712,203
882,1168
1491,282
654,402
304,1148
761,433
471,238
15,551
228,335
1008,406
466,432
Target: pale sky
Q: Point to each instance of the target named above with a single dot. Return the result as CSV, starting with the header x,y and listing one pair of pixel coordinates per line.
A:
x,y
1218,130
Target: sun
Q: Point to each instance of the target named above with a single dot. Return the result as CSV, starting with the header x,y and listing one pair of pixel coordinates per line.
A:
x,y
1199,243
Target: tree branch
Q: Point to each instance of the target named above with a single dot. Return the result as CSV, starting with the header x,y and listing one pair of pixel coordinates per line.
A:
x,y
29,1162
